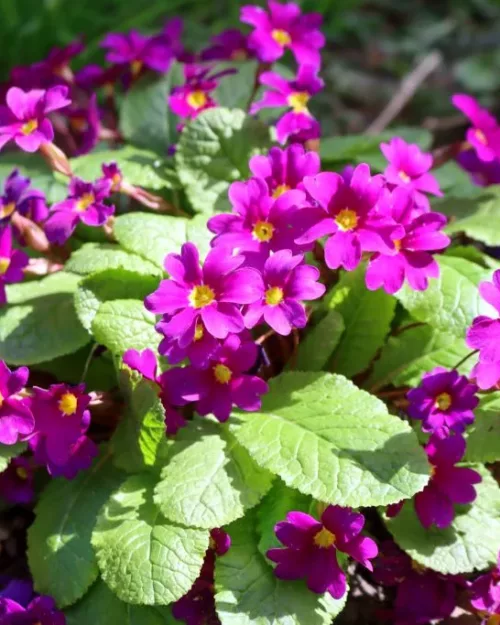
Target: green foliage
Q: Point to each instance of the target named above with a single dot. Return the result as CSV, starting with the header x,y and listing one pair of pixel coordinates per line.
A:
x,y
326,438
317,347
483,436
34,167
234,91
475,217
7,452
94,258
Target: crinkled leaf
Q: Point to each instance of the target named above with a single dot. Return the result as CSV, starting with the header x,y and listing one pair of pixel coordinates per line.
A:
x,y
93,258
317,347
144,558
483,436
470,543
476,217
7,452
60,555
454,181
327,438
234,91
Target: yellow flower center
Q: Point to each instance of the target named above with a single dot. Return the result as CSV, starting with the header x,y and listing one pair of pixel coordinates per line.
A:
x,y
397,244
29,127
324,538
197,99
443,401
282,188
281,37
404,176
1,399
481,137
4,265
298,101
136,67
239,55
346,219
79,123
198,332
493,619
84,202
274,296
263,231
68,404
22,473
7,209
116,180
222,374
201,296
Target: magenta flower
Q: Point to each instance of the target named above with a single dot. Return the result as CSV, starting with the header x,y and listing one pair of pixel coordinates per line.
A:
x,y
484,136
225,382
80,457
197,606
213,293
16,482
113,174
12,263
17,196
220,541
485,591
134,52
311,547
259,224
84,203
199,350
411,257
285,169
287,282
448,485
41,611
16,419
295,94
409,168
24,119
171,34
284,27
444,402
229,45
484,335
345,209
18,590
85,124
482,173
146,364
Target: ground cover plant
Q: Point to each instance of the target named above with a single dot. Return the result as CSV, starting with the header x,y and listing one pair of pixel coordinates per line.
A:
x,y
248,373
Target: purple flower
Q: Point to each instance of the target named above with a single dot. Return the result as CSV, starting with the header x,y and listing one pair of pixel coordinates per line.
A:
x,y
482,173
18,590
285,169
484,136
213,293
16,419
444,402
84,203
287,282
220,541
12,263
113,174
411,257
41,611
285,26
448,485
485,591
134,52
409,168
311,548
345,209
484,335
16,482
224,382
80,456
199,350
24,119
171,35
229,45
259,224
146,364
85,124
197,606
17,196
294,94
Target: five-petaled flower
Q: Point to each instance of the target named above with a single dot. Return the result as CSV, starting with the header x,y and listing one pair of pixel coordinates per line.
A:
x,y
16,419
484,136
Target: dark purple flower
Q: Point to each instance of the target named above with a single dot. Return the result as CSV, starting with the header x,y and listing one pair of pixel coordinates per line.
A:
x,y
16,482
171,35
229,45
92,77
24,120
199,350
213,293
197,606
18,590
298,123
485,591
311,547
411,257
134,52
12,263
80,456
482,173
288,281
17,196
484,136
84,203
41,611
285,26
85,124
444,402
448,485
16,419
220,541
224,382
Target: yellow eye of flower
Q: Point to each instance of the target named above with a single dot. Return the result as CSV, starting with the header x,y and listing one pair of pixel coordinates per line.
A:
x,y
198,332
7,209
274,296
480,136
22,473
201,296
443,401
281,37
1,399
324,538
404,176
4,265
68,404
222,373
197,99
282,188
84,202
263,231
29,127
346,219
298,101
136,67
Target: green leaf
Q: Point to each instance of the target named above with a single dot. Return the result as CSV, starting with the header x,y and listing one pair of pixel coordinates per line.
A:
x,y
101,607
125,324
407,356
136,441
198,233
214,151
150,236
234,91
454,181
451,302
210,480
364,332
34,167
143,558
41,322
94,258
108,285
327,438
248,593
476,217
471,542
469,252
60,555
483,436
7,452
320,341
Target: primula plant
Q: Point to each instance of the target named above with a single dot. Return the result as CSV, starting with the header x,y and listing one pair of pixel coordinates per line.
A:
x,y
246,371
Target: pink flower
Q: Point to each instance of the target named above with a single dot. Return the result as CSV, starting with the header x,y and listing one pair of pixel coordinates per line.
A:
x,y
282,28
24,119
485,591
16,419
12,263
198,351
482,173
484,136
